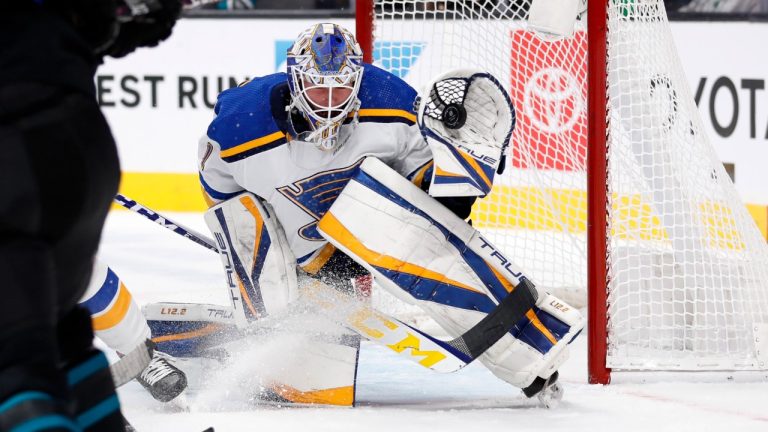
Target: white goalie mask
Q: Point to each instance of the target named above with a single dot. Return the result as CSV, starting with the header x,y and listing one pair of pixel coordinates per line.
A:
x,y
325,69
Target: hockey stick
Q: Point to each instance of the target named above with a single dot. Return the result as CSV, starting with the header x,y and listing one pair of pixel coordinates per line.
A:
x,y
166,223
416,345
132,364
374,325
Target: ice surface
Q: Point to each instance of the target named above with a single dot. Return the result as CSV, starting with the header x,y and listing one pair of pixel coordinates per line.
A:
x,y
394,394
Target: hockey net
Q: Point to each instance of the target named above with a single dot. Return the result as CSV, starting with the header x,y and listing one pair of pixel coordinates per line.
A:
x,y
686,269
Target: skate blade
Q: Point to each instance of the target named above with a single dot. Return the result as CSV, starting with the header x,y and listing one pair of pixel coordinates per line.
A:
x,y
551,396
178,404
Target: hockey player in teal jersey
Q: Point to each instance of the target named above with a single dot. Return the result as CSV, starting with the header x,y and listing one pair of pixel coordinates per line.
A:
x,y
281,151
58,174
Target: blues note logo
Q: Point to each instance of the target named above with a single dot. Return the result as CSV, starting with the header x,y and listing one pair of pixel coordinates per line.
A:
x,y
315,195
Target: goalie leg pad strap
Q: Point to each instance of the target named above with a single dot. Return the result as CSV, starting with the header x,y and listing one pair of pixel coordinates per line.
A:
x,y
259,266
483,335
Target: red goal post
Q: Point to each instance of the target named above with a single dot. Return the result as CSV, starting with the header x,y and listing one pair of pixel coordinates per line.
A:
x,y
612,184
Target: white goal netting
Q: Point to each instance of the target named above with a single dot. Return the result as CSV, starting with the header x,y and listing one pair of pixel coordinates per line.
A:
x,y
688,269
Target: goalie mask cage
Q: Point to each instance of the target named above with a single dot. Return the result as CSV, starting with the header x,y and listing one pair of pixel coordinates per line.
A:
x,y
610,181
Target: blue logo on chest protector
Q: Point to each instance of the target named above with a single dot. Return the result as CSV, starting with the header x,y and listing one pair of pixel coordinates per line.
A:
x,y
316,194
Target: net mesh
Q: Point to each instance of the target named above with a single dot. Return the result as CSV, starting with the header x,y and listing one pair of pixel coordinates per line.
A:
x,y
688,269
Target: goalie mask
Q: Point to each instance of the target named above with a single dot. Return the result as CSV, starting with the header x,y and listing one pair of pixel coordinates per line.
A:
x,y
325,69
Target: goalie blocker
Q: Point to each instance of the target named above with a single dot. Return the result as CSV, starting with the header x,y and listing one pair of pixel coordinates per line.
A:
x,y
423,254
259,268
261,276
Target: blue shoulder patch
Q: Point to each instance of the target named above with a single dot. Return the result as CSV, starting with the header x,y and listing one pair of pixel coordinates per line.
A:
x,y
385,98
244,124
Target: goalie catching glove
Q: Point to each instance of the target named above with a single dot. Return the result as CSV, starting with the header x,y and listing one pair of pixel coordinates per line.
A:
x,y
467,119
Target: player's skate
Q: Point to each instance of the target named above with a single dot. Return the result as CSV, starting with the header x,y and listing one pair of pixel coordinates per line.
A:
x,y
549,391
162,378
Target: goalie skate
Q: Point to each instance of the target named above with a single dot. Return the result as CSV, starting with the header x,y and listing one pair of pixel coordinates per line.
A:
x,y
548,391
551,395
162,379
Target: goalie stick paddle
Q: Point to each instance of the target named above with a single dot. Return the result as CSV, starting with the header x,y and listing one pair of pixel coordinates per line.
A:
x,y
406,340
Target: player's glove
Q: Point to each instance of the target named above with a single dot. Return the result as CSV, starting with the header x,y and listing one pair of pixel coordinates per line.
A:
x,y
94,20
152,22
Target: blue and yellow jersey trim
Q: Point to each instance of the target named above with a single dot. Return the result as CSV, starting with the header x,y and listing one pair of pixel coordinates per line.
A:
x,y
244,123
254,146
385,98
245,126
110,304
385,115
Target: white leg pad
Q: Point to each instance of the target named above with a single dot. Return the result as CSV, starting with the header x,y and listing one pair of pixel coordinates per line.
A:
x,y
417,248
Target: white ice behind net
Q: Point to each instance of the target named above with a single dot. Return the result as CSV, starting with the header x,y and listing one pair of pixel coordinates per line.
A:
x,y
688,269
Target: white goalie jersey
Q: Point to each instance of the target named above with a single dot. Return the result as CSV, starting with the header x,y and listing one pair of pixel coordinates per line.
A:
x,y
250,146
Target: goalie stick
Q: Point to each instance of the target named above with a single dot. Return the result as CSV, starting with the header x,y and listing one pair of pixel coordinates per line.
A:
x,y
403,339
